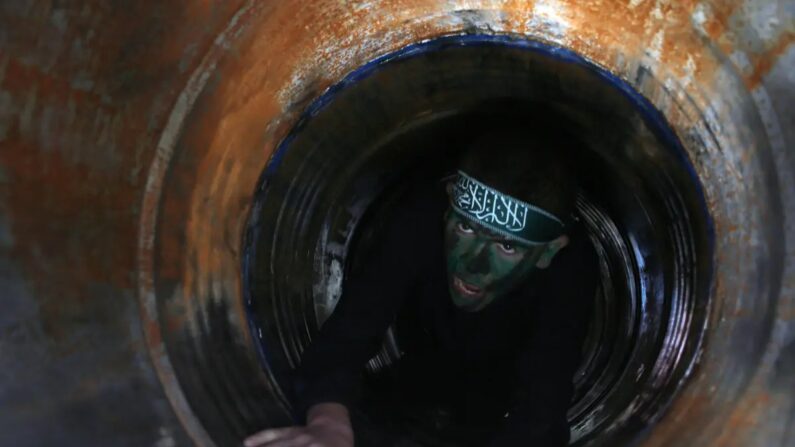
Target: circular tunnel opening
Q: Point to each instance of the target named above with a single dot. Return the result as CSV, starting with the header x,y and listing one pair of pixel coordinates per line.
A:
x,y
406,116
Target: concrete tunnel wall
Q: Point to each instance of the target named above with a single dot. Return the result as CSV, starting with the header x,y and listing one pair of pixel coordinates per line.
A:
x,y
132,136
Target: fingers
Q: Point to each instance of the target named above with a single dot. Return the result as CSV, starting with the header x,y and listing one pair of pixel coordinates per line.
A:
x,y
299,440
268,436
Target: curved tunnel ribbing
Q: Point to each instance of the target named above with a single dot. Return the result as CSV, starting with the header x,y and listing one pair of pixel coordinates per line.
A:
x,y
405,116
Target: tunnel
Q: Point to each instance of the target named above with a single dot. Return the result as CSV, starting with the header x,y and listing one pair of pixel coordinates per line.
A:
x,y
186,186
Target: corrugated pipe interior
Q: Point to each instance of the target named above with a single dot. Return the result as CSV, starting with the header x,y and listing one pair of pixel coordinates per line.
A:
x,y
404,117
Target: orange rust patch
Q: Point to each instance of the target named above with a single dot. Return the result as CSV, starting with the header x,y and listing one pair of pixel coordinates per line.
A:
x,y
745,416
154,337
718,21
21,77
765,62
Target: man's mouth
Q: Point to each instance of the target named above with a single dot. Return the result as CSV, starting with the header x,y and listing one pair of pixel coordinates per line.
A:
x,y
466,289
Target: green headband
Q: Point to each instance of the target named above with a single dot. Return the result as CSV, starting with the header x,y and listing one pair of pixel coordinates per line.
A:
x,y
502,213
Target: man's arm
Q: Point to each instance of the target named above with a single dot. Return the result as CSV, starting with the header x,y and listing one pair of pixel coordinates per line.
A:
x,y
326,382
551,357
332,365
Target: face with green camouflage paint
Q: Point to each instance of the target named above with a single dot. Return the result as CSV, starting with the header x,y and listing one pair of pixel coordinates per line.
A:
x,y
482,265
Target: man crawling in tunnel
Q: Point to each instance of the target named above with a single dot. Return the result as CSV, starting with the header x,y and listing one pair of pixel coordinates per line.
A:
x,y
489,279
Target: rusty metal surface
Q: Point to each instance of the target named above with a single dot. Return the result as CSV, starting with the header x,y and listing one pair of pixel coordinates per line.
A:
x,y
132,135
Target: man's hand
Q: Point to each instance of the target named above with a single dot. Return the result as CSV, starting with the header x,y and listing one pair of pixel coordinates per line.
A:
x,y
328,425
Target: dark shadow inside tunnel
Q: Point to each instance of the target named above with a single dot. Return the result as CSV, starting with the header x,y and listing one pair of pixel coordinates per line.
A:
x,y
433,147
404,118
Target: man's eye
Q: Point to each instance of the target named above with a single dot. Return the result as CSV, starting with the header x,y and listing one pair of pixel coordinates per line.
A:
x,y
464,227
507,248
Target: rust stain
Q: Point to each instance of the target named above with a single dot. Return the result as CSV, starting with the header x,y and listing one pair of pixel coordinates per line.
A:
x,y
717,22
765,62
155,338
49,88
744,418
76,227
73,213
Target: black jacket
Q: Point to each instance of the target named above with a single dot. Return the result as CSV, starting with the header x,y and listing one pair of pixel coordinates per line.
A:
x,y
516,357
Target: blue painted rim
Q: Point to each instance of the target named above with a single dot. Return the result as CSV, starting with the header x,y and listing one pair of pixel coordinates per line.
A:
x,y
652,117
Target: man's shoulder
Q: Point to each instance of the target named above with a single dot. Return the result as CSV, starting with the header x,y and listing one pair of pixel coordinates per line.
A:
x,y
579,253
574,273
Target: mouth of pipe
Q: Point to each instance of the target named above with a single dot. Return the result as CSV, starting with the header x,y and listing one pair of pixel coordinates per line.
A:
x,y
399,117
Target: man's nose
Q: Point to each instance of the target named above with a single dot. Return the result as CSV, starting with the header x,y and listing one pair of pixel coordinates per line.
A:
x,y
478,263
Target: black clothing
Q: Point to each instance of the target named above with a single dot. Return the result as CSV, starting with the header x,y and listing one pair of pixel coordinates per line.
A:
x,y
516,356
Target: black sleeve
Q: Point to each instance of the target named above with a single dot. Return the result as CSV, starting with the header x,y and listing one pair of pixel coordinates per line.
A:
x,y
332,365
552,354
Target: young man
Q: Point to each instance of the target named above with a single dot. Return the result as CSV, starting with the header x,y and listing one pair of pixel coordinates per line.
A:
x,y
493,284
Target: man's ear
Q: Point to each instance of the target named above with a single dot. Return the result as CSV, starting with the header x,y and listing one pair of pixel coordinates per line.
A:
x,y
449,188
551,249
